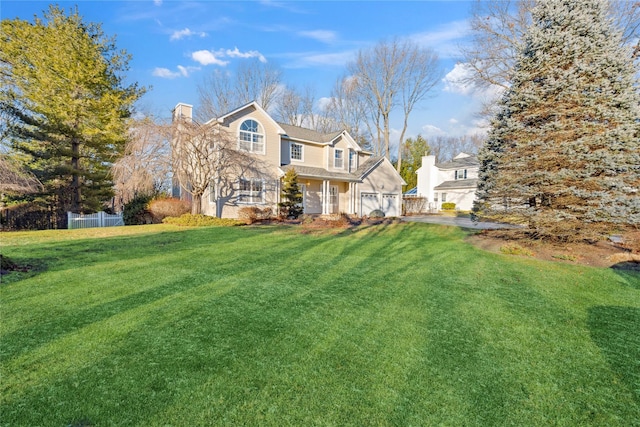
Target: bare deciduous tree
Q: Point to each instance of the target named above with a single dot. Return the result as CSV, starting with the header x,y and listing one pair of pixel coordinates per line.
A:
x,y
205,158
14,180
391,74
497,28
146,164
296,108
446,148
347,110
223,91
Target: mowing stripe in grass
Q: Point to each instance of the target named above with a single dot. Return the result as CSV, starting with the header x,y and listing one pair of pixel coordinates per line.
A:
x,y
385,325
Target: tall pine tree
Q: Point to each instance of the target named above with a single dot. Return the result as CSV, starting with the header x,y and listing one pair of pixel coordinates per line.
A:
x,y
64,101
563,155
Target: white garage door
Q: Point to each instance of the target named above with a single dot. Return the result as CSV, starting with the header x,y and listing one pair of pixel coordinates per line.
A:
x,y
390,205
368,202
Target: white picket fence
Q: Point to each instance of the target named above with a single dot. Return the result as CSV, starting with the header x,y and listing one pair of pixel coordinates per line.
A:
x,y
99,219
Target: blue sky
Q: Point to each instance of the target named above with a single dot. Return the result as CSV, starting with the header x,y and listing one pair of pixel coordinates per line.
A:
x,y
175,44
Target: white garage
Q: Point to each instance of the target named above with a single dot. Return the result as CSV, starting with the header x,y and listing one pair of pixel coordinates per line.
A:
x,y
387,203
368,202
390,205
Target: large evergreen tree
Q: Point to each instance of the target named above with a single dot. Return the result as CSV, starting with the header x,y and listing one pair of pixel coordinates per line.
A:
x,y
64,102
563,155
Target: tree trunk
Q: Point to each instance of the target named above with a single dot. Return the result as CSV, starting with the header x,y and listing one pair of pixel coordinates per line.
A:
x,y
196,204
387,149
75,176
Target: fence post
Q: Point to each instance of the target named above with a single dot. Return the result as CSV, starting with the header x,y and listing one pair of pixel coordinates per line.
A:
x,y
101,219
69,220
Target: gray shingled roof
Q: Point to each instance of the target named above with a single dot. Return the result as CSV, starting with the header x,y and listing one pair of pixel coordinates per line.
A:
x,y
368,164
457,184
321,173
356,176
304,134
463,162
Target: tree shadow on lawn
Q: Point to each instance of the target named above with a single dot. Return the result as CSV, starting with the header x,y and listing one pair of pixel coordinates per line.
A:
x,y
23,339
69,255
630,271
616,331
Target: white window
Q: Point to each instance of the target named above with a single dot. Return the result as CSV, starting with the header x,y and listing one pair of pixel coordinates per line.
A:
x,y
338,158
435,197
251,137
251,191
353,161
461,174
444,197
296,151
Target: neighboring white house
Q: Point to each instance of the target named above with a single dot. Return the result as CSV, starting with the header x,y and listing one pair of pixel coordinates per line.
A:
x,y
335,174
453,181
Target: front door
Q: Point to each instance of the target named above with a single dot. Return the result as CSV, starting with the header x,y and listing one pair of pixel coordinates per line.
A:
x,y
333,198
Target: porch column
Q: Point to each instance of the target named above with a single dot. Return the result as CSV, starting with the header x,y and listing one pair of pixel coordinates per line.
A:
x,y
326,208
352,197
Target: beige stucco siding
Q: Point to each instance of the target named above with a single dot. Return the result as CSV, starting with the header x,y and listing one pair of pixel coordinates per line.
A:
x,y
313,197
381,181
312,155
384,178
271,134
232,205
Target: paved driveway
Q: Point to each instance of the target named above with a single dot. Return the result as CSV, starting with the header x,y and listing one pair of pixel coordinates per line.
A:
x,y
456,221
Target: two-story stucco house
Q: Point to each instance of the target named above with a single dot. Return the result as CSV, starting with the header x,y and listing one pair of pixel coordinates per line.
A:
x,y
335,174
453,181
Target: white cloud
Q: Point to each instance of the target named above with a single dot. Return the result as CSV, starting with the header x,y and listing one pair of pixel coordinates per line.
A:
x,y
186,71
177,35
165,73
235,53
206,57
157,2
431,130
324,36
306,60
446,39
453,121
457,80
324,102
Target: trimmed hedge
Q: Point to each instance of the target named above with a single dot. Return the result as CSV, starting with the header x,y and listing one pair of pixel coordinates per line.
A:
x,y
448,206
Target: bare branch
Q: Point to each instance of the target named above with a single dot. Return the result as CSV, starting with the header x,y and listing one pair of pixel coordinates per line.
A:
x,y
15,180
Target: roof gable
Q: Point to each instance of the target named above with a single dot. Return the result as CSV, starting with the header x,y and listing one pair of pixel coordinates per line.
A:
x,y
248,109
309,135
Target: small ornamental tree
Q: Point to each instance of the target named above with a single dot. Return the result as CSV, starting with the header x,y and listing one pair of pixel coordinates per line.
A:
x,y
563,154
291,204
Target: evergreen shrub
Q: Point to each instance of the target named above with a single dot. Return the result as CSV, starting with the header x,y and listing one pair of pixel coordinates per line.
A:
x,y
135,212
448,206
291,205
377,213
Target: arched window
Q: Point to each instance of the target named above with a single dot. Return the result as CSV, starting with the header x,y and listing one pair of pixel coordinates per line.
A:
x,y
251,137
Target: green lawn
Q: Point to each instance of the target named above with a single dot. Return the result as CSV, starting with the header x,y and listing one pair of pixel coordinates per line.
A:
x,y
387,325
